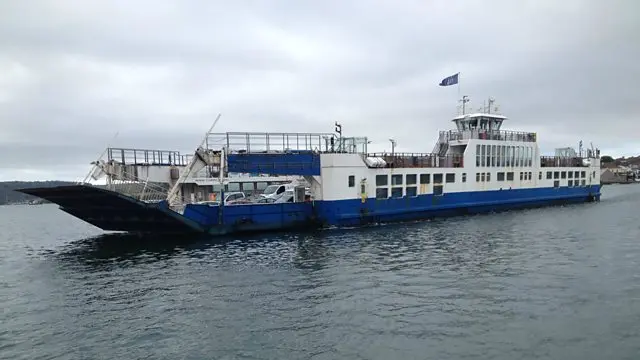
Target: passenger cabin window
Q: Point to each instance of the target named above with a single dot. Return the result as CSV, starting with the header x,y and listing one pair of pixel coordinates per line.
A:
x,y
437,178
411,179
477,177
540,175
570,174
570,183
425,178
382,180
396,179
500,176
382,193
464,177
412,191
510,176
549,175
396,192
563,175
451,178
488,177
352,181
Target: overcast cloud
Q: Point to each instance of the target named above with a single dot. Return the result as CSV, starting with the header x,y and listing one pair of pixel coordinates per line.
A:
x,y
75,72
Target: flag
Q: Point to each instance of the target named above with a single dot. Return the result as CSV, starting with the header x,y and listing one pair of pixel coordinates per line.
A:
x,y
451,80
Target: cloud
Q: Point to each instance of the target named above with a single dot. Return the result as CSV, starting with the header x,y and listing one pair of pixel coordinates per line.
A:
x,y
75,72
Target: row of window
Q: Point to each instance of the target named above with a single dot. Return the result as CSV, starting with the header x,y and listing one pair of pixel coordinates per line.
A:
x,y
411,179
566,174
410,191
504,155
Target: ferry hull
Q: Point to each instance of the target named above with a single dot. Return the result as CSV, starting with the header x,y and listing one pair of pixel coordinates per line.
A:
x,y
355,212
113,211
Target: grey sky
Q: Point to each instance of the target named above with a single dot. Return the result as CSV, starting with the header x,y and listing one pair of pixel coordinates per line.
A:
x,y
72,73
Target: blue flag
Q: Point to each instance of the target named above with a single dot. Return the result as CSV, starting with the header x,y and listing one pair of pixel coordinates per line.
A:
x,y
451,80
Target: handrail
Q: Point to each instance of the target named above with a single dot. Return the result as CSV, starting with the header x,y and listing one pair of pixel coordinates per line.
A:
x,y
501,135
420,160
130,156
558,161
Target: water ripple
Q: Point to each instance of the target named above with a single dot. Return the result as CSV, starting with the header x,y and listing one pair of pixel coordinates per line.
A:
x,y
545,283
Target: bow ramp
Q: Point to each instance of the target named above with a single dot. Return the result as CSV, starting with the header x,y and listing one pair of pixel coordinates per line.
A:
x,y
113,211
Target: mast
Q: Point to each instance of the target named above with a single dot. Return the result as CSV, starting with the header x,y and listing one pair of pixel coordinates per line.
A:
x,y
465,99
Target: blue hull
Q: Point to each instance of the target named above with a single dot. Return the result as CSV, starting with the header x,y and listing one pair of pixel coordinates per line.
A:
x,y
109,210
355,212
265,217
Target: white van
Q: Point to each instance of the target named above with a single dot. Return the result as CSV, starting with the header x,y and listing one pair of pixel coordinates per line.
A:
x,y
274,191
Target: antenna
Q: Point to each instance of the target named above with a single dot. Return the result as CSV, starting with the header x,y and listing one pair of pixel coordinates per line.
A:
x,y
491,101
465,99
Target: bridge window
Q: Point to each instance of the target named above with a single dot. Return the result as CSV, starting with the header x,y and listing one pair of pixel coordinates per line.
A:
x,y
488,155
382,193
382,180
500,176
437,178
396,192
493,155
412,191
425,178
451,178
411,179
352,181
510,176
396,179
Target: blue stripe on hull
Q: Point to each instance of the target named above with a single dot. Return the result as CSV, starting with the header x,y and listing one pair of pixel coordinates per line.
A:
x,y
353,212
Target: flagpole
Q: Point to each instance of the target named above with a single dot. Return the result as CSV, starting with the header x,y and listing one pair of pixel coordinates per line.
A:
x,y
458,85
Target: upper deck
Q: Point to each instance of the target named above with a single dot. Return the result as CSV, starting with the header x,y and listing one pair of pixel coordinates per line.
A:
x,y
500,135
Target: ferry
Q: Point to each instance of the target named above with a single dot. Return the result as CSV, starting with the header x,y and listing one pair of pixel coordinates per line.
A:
x,y
476,167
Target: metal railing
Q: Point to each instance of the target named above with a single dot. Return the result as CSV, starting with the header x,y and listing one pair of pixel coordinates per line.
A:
x,y
147,157
256,142
501,135
557,161
419,160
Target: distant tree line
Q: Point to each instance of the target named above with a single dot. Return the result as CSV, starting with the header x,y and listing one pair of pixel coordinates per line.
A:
x,y
627,161
9,196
